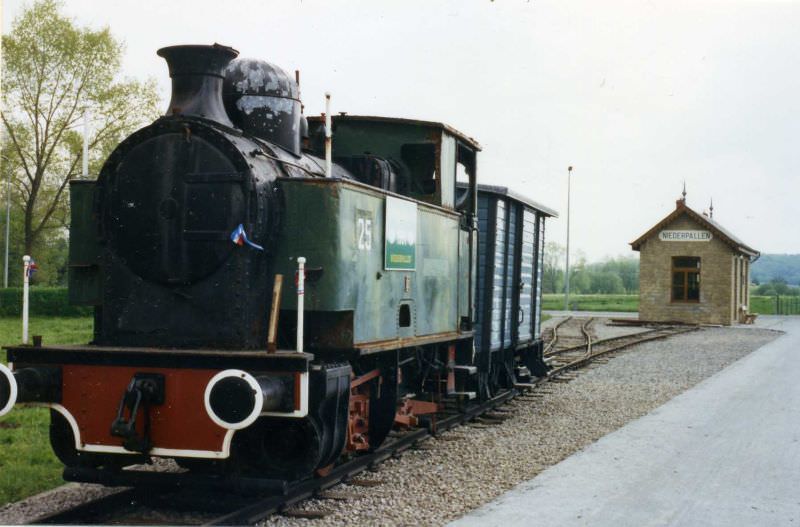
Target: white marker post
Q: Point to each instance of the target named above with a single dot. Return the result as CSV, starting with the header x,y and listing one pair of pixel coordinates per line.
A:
x,y
301,281
26,262
328,137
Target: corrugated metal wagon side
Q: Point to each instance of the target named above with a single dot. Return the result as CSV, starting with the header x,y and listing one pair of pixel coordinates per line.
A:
x,y
508,308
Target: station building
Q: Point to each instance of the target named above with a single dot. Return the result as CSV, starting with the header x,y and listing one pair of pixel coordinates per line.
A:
x,y
693,270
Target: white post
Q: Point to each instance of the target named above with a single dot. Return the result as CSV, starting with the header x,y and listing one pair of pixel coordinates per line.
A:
x,y
301,281
85,146
328,136
566,274
26,261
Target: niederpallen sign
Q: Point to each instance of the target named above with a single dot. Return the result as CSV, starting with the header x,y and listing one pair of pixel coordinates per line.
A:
x,y
685,236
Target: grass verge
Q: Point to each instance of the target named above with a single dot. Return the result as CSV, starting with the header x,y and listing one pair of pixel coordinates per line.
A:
x,y
27,464
625,303
763,305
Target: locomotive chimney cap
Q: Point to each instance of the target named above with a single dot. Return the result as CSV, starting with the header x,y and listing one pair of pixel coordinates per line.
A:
x,y
197,73
198,59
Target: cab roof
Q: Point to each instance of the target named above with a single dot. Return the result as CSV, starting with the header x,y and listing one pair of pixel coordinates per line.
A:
x,y
469,141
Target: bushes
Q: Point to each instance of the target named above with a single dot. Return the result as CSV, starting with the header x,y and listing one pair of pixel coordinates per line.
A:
x,y
45,301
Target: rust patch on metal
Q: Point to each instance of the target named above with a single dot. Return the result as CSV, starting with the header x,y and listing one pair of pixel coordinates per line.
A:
x,y
358,421
451,373
410,409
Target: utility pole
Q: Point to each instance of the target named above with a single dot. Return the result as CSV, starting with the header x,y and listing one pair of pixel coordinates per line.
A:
x,y
566,274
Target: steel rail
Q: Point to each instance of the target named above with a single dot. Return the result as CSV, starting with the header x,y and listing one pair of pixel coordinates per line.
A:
x,y
634,339
262,507
553,340
307,489
573,349
586,335
95,508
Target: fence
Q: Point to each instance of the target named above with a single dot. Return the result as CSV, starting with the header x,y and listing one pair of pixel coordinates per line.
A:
x,y
787,305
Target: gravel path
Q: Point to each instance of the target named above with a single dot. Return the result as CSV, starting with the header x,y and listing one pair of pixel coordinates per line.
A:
x,y
471,466
433,486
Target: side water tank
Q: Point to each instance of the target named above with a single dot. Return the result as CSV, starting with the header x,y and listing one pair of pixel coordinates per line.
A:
x,y
262,100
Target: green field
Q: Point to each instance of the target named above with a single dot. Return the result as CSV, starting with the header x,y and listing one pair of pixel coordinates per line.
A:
x,y
27,465
763,305
626,303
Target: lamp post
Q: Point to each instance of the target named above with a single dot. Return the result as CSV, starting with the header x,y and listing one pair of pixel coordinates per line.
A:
x,y
566,274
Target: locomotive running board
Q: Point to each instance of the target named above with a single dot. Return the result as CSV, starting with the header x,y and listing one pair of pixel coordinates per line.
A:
x,y
160,357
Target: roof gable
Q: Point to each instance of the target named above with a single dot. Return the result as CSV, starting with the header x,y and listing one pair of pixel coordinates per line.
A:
x,y
704,221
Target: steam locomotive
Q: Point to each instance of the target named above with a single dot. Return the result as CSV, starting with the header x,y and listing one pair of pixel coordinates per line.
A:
x,y
420,287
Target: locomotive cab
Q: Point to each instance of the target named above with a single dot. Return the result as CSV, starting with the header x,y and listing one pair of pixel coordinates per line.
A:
x,y
418,159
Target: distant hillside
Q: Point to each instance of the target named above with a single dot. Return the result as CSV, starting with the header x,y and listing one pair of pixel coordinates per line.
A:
x,y
770,266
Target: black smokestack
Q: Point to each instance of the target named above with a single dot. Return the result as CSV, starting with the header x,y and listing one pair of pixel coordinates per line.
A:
x,y
197,73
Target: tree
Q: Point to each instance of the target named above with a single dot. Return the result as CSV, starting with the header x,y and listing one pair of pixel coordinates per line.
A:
x,y
779,285
54,72
580,281
606,282
553,268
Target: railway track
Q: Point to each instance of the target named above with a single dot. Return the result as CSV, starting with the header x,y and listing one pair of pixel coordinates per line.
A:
x,y
164,505
575,357
568,333
551,335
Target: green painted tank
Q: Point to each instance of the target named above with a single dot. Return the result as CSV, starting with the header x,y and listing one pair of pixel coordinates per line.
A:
x,y
383,270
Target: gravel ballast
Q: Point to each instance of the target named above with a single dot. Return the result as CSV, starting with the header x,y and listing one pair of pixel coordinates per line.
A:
x,y
436,485
470,466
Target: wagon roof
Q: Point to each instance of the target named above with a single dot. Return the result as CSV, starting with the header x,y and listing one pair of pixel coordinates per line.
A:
x,y
504,191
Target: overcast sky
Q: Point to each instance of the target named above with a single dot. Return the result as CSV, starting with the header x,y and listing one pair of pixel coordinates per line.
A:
x,y
637,96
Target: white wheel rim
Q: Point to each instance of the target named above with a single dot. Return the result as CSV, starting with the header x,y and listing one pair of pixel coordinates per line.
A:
x,y
12,398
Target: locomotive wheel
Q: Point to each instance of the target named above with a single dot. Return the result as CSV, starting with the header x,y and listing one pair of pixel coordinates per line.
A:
x,y
278,448
62,441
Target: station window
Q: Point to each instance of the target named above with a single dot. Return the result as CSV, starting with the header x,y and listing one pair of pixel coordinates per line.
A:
x,y
685,279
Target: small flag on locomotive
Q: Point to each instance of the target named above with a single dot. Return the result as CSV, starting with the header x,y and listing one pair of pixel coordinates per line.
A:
x,y
239,237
